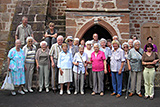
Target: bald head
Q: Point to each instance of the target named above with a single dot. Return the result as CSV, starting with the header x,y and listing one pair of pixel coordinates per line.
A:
x,y
95,37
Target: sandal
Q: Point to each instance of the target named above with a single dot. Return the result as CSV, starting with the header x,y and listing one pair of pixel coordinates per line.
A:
x,y
93,93
101,94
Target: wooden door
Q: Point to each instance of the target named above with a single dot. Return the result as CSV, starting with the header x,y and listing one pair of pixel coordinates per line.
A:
x,y
151,29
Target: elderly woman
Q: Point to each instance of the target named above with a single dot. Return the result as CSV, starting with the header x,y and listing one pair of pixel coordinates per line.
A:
x,y
107,53
80,62
65,68
149,59
130,42
29,52
134,61
88,50
43,65
98,61
72,49
125,47
150,39
51,35
117,62
76,42
16,66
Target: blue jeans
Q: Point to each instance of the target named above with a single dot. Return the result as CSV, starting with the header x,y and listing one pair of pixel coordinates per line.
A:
x,y
117,82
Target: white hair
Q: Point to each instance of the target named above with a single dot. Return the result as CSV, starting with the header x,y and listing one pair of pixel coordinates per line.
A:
x,y
96,44
114,36
125,43
115,41
43,42
60,36
89,42
81,46
102,39
136,42
24,17
76,39
17,41
28,38
130,40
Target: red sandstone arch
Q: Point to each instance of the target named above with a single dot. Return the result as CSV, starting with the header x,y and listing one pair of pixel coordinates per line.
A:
x,y
91,23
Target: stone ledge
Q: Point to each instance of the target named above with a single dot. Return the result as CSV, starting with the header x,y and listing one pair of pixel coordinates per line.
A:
x,y
98,10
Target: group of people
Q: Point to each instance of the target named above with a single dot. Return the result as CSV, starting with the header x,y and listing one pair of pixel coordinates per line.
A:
x,y
89,63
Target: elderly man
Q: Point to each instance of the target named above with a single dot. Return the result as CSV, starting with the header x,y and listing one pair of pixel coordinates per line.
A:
x,y
23,31
54,53
95,39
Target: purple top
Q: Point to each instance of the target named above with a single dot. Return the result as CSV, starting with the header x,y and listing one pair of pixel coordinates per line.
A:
x,y
154,48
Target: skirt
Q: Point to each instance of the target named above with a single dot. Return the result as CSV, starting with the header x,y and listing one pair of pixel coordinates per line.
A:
x,y
65,77
18,77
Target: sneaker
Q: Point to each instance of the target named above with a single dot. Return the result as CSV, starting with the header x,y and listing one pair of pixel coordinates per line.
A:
x,y
13,93
68,92
47,90
75,92
82,93
21,92
25,90
61,92
124,90
40,90
30,90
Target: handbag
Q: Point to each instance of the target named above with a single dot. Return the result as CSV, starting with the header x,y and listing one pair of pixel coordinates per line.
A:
x,y
157,64
8,84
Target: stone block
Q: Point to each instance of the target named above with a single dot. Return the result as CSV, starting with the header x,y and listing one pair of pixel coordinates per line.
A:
x,y
14,26
70,22
125,36
123,28
38,10
122,4
38,36
25,10
26,3
4,35
108,5
41,17
72,4
70,31
5,1
3,8
18,10
37,26
87,4
5,17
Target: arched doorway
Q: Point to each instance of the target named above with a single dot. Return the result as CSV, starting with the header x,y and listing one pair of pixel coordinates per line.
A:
x,y
102,33
98,26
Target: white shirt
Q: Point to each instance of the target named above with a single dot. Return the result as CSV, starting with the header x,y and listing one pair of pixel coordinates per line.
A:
x,y
76,59
116,58
89,52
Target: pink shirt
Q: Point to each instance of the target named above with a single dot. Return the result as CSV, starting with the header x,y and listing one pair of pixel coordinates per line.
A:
x,y
97,61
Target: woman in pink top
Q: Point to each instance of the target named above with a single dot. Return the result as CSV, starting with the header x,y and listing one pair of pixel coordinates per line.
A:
x,y
98,61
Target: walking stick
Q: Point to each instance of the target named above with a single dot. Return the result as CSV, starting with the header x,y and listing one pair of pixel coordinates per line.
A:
x,y
129,78
37,78
54,87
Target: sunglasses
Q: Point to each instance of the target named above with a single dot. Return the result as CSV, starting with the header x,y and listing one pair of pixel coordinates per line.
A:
x,y
70,40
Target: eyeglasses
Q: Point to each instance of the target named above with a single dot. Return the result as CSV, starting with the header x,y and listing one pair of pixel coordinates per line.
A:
x,y
51,26
137,44
30,41
125,47
70,40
